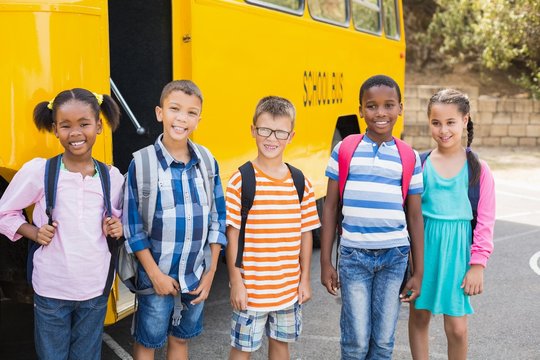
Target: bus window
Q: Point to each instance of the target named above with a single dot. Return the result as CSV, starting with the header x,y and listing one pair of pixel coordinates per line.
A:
x,y
333,11
391,24
292,6
366,15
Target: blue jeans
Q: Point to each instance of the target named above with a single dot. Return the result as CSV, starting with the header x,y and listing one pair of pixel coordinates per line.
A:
x,y
370,282
65,329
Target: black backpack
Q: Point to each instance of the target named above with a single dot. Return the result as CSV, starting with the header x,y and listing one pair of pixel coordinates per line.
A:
x,y
52,169
248,195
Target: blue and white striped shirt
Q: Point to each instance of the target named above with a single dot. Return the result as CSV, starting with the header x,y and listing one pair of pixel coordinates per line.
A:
x,y
182,225
373,216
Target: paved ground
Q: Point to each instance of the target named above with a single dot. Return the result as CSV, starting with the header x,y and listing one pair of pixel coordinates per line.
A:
x,y
505,326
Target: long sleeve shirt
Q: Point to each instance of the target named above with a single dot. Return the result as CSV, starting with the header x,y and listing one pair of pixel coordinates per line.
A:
x,y
75,264
182,225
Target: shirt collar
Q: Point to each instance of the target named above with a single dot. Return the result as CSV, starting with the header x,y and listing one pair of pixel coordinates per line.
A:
x,y
385,143
165,158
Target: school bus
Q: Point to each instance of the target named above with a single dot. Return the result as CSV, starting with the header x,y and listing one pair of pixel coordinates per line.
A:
x,y
314,52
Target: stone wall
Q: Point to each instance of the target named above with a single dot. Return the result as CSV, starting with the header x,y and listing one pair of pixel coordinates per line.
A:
x,y
497,121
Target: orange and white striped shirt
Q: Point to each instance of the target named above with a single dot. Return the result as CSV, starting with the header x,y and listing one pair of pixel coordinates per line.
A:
x,y
271,262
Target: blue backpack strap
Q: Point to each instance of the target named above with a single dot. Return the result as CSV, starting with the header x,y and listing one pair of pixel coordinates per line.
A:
x,y
52,169
112,243
299,182
248,195
424,156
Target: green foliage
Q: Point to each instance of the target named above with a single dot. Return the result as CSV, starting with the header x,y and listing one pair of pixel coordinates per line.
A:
x,y
499,35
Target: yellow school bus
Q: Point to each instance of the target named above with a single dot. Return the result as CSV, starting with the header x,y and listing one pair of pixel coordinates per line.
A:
x,y
314,52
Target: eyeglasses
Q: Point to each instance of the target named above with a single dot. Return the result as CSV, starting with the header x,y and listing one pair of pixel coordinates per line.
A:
x,y
266,132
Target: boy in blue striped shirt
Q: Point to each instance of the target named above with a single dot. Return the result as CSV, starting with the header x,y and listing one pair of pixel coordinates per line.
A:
x,y
187,217
375,229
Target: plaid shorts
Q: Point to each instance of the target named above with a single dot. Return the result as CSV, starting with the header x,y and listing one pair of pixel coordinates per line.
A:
x,y
247,327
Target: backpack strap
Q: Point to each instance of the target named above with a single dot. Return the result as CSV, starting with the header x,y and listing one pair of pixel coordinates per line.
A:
x,y
408,161
112,243
299,182
248,195
345,154
424,156
52,170
208,170
146,171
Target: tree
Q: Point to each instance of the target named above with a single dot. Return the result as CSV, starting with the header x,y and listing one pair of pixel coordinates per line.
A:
x,y
486,34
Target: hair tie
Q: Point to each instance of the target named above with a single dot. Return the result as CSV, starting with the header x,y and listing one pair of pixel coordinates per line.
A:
x,y
50,104
468,149
99,98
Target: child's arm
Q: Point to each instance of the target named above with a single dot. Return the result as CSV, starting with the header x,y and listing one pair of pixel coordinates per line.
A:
x,y
203,290
415,225
137,238
473,283
306,249
310,221
42,235
239,298
329,276
25,189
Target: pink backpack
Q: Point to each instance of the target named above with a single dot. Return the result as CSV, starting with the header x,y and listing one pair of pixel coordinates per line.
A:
x,y
346,151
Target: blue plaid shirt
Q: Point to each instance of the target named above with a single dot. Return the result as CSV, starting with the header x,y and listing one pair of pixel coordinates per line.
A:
x,y
182,225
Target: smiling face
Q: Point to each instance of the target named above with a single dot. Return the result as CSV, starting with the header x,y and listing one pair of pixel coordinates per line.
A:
x,y
380,107
447,123
270,147
77,125
180,116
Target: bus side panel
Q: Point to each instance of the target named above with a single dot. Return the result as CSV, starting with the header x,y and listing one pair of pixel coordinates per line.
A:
x,y
242,52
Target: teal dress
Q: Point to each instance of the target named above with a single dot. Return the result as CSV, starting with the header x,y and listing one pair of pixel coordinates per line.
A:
x,y
447,242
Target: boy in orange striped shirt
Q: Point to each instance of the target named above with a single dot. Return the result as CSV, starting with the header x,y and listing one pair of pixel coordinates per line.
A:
x,y
267,291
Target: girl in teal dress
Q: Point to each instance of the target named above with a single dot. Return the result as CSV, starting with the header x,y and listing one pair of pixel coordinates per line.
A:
x,y
455,254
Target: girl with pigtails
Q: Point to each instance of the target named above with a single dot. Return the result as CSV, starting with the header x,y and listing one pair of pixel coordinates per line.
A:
x,y
71,265
458,205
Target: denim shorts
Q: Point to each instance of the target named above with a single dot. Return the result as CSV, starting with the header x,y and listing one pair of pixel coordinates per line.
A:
x,y
68,329
153,319
247,327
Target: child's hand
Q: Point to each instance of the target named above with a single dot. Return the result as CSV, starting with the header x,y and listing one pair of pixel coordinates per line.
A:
x,y
203,290
239,297
164,284
45,234
412,289
304,292
329,279
112,226
473,283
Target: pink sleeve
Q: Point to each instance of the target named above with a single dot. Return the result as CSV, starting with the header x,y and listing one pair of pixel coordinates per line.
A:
x,y
25,189
483,233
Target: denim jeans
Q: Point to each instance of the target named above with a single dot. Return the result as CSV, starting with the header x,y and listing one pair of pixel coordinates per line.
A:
x,y
65,329
370,282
